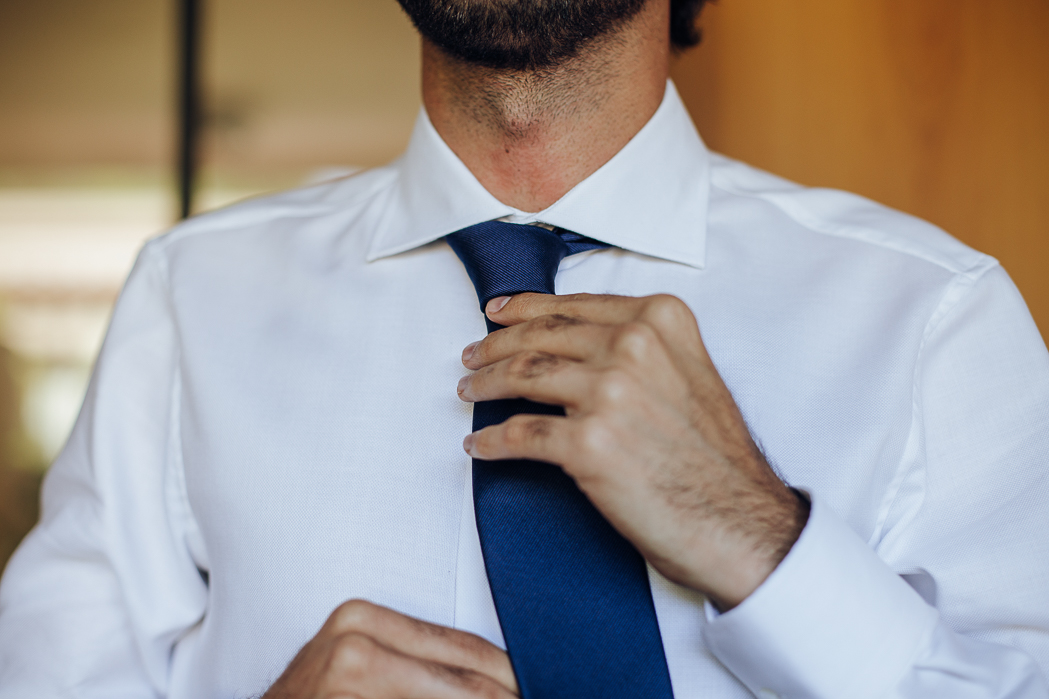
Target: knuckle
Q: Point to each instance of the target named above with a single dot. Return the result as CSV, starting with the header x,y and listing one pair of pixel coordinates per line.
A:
x,y
523,429
635,340
514,434
555,322
614,387
474,683
355,614
665,310
356,654
520,305
531,364
488,689
593,436
469,644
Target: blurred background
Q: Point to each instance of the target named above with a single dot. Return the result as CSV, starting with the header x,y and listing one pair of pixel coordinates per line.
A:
x,y
936,107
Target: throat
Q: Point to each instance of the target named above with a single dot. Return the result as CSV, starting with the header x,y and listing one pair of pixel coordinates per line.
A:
x,y
527,136
531,136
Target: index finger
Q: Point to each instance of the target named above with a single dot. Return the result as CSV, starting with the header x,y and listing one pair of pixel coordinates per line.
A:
x,y
605,309
425,641
667,314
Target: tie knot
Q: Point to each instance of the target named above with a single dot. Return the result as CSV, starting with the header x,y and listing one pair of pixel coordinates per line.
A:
x,y
503,259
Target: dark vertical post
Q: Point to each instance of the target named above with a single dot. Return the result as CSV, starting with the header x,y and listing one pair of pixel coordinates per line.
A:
x,y
189,101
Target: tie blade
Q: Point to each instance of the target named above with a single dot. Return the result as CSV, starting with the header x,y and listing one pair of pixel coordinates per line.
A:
x,y
573,595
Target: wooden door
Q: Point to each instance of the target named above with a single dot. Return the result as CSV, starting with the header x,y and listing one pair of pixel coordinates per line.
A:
x,y
936,107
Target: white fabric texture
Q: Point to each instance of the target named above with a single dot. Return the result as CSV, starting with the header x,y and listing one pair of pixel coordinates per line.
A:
x,y
273,428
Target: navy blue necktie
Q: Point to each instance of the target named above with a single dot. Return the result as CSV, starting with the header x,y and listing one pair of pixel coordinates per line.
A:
x,y
572,594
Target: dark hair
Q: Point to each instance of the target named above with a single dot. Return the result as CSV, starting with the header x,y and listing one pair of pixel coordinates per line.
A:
x,y
683,16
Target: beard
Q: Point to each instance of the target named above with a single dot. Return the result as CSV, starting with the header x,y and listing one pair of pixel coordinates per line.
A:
x,y
521,35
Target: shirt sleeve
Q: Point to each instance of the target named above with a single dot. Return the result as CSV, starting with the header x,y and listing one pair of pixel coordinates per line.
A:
x,y
967,528
95,598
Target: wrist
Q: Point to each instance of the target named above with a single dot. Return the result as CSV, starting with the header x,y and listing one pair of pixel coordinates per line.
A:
x,y
747,565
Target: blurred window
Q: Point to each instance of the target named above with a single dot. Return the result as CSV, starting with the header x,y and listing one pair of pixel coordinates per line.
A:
x,y
291,93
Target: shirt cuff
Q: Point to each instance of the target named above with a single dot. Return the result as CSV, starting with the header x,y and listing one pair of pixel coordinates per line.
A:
x,y
833,620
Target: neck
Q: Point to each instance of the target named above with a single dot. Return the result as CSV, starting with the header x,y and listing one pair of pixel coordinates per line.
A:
x,y
530,136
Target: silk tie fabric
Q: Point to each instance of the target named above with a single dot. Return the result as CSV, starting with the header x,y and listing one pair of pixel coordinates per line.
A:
x,y
572,594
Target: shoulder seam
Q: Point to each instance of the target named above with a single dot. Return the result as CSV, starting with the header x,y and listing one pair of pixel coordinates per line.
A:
x,y
194,227
860,234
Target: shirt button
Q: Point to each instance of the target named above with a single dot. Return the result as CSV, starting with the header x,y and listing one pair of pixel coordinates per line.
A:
x,y
767,694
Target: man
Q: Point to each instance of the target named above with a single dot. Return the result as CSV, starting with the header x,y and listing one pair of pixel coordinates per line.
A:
x,y
273,427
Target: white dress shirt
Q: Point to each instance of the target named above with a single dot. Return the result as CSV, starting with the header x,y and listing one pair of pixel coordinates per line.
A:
x,y
273,428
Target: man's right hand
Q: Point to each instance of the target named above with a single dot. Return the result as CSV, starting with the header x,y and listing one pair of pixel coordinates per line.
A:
x,y
365,651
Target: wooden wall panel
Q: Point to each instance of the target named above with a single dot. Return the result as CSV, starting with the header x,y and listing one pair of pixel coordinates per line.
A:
x,y
936,107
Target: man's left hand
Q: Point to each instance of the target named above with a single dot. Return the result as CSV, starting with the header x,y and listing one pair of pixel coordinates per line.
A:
x,y
651,434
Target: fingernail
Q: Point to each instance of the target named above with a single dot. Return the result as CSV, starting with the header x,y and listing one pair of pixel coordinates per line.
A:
x,y
496,304
468,443
469,351
462,384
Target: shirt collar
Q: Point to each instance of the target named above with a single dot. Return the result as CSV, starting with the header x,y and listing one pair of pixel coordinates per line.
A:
x,y
650,198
